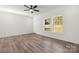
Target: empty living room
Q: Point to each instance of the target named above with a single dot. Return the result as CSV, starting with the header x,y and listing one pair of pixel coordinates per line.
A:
x,y
39,28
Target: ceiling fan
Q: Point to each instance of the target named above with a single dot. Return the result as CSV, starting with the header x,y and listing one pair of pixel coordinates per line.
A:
x,y
31,8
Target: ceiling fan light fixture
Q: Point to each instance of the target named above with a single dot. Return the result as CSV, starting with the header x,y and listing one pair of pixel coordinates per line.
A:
x,y
31,8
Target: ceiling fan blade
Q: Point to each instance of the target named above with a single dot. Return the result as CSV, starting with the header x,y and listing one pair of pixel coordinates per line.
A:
x,y
27,10
26,6
35,6
31,11
36,10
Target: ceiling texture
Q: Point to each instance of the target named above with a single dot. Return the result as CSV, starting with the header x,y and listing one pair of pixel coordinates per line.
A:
x,y
19,9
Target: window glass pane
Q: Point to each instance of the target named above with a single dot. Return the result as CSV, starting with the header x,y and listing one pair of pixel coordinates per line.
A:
x,y
47,24
57,23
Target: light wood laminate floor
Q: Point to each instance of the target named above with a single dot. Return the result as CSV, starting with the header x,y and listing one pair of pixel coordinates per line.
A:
x,y
34,43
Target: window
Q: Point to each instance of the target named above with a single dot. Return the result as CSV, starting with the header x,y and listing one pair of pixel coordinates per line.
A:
x,y
57,23
47,24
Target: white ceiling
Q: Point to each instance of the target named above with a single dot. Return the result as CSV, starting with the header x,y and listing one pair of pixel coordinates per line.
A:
x,y
19,9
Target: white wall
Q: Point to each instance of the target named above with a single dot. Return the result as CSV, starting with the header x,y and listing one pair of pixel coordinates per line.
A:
x,y
70,23
14,24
